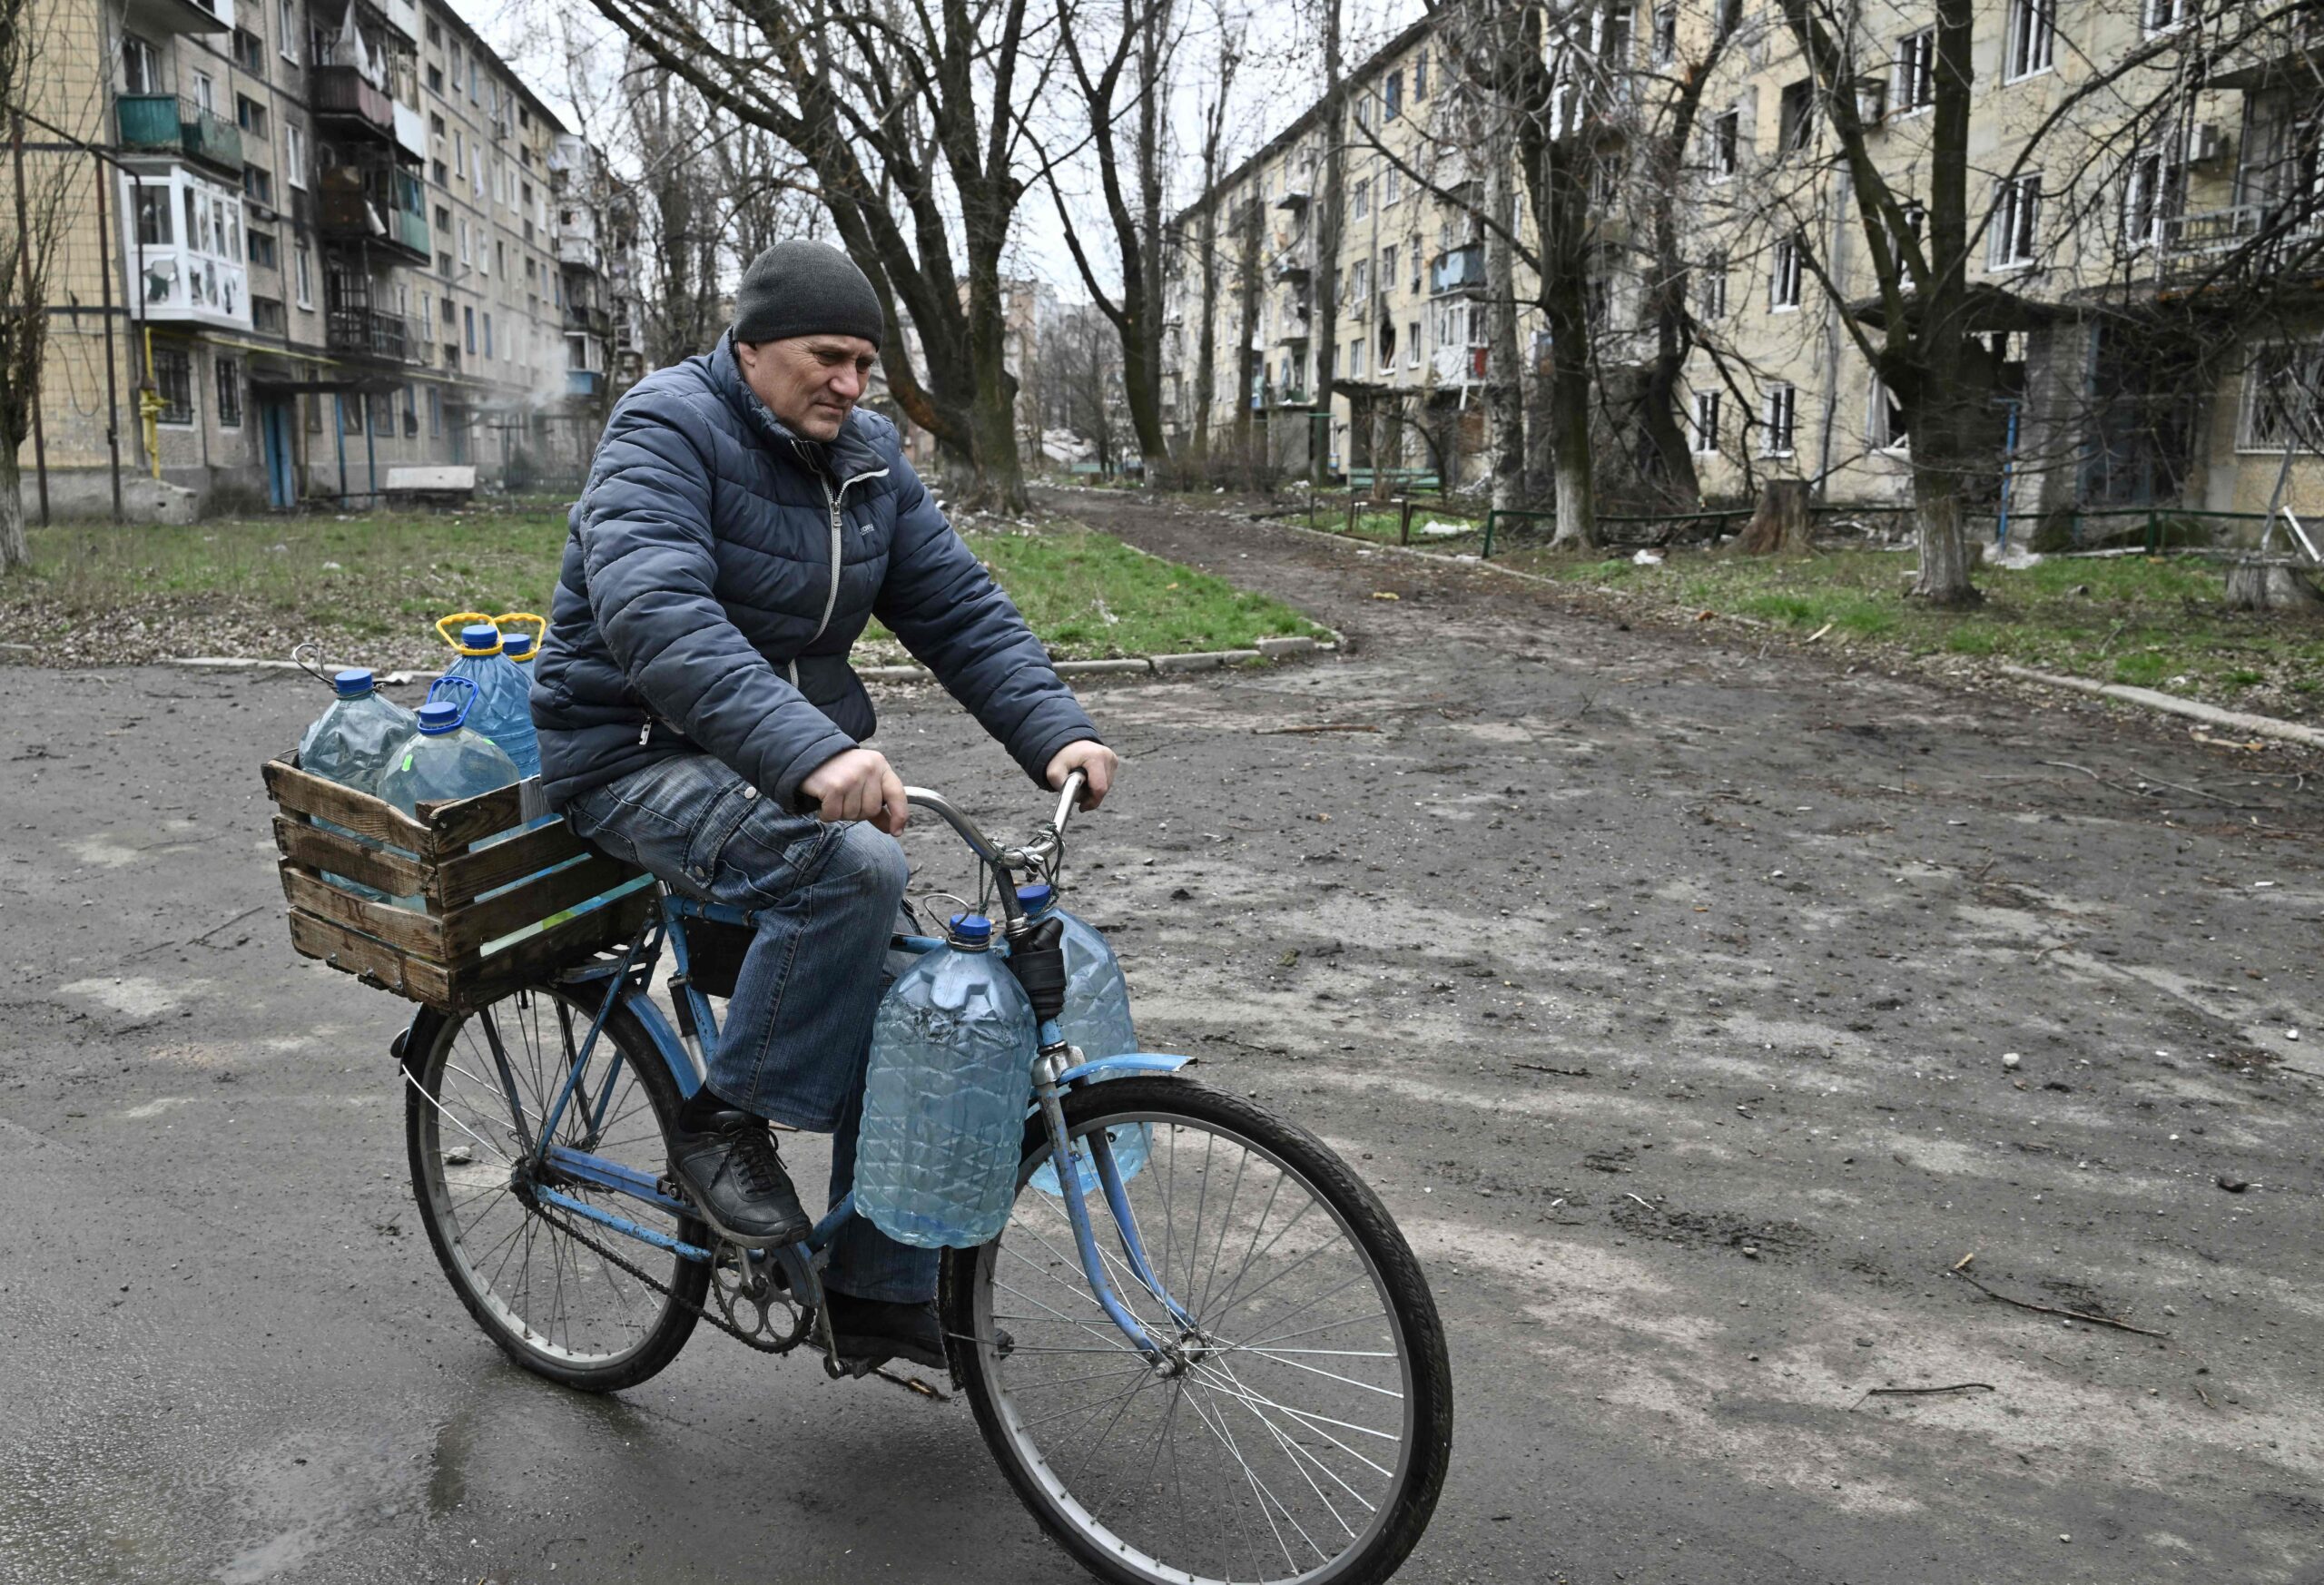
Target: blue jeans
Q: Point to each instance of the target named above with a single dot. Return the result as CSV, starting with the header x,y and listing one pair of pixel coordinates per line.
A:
x,y
798,1031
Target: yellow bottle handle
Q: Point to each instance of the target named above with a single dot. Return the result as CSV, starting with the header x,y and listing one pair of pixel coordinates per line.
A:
x,y
444,629
540,624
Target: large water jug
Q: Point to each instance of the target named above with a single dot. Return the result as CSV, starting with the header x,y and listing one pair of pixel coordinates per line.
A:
x,y
1097,1019
944,1102
442,759
504,709
349,743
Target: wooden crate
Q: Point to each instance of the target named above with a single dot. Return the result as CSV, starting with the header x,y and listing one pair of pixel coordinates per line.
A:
x,y
437,957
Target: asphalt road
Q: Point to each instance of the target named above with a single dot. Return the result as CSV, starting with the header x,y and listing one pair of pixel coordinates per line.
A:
x,y
1662,990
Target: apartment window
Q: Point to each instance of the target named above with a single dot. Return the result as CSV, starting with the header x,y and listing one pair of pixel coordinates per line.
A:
x,y
435,413
436,79
267,317
410,415
259,185
294,151
1412,249
2151,192
313,407
474,77
1706,421
449,315
249,115
435,124
205,92
488,332
464,241
173,383
1356,358
2281,405
1392,98
1714,287
1360,280
2033,37
1783,284
1724,139
382,409
250,50
1412,345
1795,117
443,220
286,29
1730,15
230,391
500,259
1780,420
261,249
1360,201
1420,76
153,215
438,174
444,267
1915,85
1614,33
435,34
1363,109
1392,187
468,319
140,66
350,414
2014,230
459,153
302,272
1666,35
2164,15
1885,428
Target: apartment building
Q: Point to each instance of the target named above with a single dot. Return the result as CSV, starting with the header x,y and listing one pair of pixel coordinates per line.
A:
x,y
2117,265
308,242
1410,347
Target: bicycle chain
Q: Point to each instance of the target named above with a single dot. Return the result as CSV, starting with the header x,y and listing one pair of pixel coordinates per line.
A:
x,y
821,1327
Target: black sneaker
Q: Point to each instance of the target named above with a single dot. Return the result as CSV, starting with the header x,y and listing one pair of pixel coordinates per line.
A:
x,y
871,1332
736,1180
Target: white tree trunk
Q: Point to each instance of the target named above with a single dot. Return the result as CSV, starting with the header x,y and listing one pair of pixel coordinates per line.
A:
x,y
14,551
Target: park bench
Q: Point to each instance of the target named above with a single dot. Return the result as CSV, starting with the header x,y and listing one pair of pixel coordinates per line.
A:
x,y
1402,478
431,485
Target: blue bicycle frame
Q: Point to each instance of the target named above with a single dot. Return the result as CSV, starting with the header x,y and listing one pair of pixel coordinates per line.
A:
x,y
1056,1069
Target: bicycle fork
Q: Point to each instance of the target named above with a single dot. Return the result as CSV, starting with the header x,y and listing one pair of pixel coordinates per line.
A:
x,y
1056,1057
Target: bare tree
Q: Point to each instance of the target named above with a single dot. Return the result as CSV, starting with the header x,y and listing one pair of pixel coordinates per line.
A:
x,y
31,226
1229,59
913,123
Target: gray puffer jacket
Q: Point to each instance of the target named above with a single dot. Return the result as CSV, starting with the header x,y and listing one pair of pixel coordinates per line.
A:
x,y
718,570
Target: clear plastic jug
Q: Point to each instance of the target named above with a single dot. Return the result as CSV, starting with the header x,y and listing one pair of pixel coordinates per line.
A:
x,y
503,711
443,759
1097,1019
349,743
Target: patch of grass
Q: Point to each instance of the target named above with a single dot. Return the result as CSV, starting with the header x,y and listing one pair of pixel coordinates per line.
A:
x,y
2152,622
370,586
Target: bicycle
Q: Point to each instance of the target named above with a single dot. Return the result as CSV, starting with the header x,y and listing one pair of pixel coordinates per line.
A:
x,y
1222,1364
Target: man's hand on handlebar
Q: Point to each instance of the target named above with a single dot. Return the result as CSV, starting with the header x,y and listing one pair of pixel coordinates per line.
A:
x,y
860,784
1097,764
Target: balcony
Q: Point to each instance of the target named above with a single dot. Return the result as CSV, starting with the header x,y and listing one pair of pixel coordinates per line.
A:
x,y
364,333
341,94
585,382
1462,270
2249,239
352,211
1294,195
1293,332
576,249
162,123
158,19
1288,265
2273,48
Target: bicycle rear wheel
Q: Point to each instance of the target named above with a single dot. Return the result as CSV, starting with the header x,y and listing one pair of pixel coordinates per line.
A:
x,y
553,1305
1305,1432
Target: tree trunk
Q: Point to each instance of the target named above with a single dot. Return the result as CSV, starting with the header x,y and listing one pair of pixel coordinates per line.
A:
x,y
1944,577
1323,283
14,552
1247,328
2271,588
1207,336
1504,379
1779,525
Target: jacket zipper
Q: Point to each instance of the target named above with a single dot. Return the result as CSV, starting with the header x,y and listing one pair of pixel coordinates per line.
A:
x,y
830,596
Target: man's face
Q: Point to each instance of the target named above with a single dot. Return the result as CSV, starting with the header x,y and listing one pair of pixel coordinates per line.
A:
x,y
811,382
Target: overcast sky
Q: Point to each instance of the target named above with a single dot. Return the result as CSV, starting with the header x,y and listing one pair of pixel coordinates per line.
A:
x,y
1278,80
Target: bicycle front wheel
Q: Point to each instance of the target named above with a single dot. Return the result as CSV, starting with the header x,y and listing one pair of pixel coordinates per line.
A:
x,y
477,1089
1301,1430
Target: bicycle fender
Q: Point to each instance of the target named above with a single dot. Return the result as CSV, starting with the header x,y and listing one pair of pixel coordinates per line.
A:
x,y
1126,1063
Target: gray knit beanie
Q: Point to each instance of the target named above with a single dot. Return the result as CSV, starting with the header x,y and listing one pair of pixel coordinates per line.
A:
x,y
804,289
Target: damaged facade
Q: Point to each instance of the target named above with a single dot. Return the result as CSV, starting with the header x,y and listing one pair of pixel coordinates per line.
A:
x,y
308,242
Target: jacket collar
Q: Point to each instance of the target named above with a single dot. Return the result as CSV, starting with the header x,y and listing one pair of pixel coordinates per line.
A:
x,y
851,454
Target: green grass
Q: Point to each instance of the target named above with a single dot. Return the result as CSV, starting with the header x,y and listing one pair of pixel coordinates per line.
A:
x,y
370,586
2159,622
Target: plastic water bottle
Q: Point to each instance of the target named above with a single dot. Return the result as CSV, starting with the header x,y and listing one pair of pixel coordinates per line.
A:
x,y
952,1076
1097,1019
442,759
504,709
349,743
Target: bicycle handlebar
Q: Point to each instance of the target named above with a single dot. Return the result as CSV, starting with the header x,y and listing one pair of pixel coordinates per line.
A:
x,y
1030,858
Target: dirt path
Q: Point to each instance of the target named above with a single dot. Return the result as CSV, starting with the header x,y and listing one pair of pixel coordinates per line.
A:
x,y
1663,993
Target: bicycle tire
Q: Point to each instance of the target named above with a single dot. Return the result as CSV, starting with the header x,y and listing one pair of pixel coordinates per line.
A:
x,y
1172,1105
427,1058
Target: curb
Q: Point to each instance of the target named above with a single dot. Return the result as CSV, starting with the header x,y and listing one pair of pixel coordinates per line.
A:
x,y
1141,665
2172,705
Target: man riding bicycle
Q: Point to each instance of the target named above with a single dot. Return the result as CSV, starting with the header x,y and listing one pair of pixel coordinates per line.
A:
x,y
741,523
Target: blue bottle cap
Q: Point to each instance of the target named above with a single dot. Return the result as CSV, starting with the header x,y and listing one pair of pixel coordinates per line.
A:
x,y
352,683
972,929
480,635
1036,897
438,716
518,646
